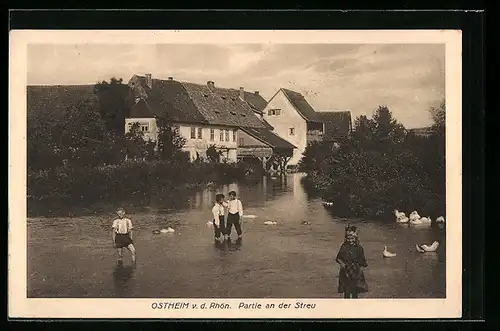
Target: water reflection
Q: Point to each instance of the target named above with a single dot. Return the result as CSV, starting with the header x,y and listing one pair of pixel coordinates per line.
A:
x,y
256,192
121,276
230,245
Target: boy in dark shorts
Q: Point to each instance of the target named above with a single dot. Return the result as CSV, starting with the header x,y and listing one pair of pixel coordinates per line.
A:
x,y
218,218
234,215
122,235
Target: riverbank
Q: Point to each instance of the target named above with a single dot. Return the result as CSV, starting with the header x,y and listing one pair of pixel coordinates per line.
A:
x,y
64,190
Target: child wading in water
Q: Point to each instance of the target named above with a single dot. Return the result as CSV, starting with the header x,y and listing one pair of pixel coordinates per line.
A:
x,y
234,215
218,218
122,235
351,258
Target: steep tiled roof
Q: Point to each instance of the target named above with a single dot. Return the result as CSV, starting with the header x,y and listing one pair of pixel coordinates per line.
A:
x,y
189,102
169,99
269,138
267,125
301,105
337,123
256,101
58,98
222,106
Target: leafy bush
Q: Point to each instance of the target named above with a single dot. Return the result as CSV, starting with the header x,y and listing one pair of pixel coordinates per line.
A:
x,y
379,168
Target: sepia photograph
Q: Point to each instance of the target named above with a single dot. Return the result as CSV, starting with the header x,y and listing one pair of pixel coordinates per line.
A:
x,y
254,169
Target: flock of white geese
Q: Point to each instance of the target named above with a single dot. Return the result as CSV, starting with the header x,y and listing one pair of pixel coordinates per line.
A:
x,y
401,218
415,219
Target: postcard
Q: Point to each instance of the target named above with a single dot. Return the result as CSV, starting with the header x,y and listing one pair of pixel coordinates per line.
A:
x,y
235,174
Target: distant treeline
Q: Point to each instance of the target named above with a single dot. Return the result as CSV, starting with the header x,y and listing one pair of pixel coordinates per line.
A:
x,y
380,167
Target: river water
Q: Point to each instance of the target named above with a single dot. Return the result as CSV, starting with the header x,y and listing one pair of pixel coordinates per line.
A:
x,y
74,257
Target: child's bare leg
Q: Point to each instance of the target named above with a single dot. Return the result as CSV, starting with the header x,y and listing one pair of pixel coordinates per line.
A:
x,y
120,254
131,248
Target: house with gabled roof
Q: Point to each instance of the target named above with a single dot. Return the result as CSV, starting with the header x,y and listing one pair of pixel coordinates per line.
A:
x,y
205,115
296,121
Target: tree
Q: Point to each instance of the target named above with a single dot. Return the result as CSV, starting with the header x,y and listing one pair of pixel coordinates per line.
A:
x,y
380,168
114,103
316,154
135,144
387,129
213,154
81,136
438,115
170,141
364,130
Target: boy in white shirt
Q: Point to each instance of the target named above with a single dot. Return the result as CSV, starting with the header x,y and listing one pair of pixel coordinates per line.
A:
x,y
234,215
122,235
218,218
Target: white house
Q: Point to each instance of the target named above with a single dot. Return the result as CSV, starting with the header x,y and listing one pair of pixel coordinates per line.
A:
x,y
294,120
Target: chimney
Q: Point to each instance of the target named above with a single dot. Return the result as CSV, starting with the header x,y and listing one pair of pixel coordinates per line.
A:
x,y
242,93
149,80
211,85
256,92
170,78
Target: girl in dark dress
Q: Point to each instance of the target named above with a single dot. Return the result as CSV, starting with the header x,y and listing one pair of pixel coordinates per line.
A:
x,y
351,258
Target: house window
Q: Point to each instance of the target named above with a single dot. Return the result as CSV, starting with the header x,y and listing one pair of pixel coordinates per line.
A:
x,y
212,134
221,135
292,131
227,135
234,135
272,112
193,132
199,133
145,127
241,141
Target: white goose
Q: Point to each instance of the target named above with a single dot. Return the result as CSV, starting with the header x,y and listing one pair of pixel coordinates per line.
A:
x,y
400,217
167,230
414,216
386,253
440,219
427,248
423,220
399,214
402,220
270,223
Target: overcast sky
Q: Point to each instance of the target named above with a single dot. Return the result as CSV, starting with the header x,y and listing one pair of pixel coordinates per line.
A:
x,y
407,78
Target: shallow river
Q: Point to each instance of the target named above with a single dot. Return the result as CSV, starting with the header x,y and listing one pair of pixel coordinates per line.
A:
x,y
74,257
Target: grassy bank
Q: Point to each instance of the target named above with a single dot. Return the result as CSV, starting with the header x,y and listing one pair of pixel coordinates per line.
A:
x,y
64,189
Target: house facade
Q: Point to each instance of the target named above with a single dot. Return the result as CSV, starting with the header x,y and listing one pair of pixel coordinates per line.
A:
x,y
293,119
205,114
